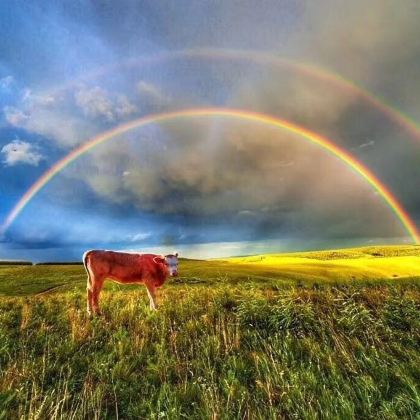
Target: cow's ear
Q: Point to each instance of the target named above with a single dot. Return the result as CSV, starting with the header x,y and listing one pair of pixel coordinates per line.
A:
x,y
159,260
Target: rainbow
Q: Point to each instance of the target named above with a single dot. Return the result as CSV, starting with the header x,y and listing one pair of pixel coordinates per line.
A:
x,y
323,142
310,70
319,73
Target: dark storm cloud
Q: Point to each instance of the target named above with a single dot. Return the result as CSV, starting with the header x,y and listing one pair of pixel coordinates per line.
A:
x,y
377,46
261,180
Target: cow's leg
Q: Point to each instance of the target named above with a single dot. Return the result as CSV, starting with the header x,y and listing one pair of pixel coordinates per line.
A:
x,y
90,279
151,291
89,300
96,289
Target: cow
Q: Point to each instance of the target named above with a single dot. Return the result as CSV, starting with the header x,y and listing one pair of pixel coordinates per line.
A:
x,y
128,268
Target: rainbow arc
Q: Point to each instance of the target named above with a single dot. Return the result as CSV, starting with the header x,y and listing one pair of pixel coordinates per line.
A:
x,y
310,136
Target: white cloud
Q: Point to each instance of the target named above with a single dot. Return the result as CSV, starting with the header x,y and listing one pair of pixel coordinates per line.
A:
x,y
37,100
52,122
20,152
57,116
246,213
6,82
367,144
141,236
124,107
152,94
97,102
14,115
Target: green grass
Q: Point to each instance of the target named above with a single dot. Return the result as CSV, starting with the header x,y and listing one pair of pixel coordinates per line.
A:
x,y
230,340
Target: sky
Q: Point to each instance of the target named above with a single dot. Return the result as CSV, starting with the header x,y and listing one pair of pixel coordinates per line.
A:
x,y
207,186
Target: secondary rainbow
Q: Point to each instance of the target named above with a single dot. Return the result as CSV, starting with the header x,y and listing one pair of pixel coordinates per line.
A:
x,y
308,69
323,142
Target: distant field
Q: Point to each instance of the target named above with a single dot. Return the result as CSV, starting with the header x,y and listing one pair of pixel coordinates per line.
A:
x,y
330,334
358,265
355,264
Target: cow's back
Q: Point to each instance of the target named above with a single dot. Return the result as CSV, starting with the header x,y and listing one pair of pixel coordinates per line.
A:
x,y
120,266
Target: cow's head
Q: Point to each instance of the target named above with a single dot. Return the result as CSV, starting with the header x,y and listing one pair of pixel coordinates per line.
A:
x,y
171,261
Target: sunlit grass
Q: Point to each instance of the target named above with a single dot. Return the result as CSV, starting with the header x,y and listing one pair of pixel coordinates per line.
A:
x,y
221,352
226,343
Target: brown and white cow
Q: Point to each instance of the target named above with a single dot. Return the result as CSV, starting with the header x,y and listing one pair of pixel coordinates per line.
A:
x,y
150,269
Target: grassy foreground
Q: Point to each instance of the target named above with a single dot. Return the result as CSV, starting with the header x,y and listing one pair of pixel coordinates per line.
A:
x,y
231,340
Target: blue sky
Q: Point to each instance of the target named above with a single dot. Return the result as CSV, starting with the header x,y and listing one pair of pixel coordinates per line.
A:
x,y
207,187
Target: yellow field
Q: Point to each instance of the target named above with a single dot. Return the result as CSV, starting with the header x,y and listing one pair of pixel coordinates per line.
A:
x,y
357,263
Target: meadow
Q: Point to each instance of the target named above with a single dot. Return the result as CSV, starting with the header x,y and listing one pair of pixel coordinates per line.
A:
x,y
328,334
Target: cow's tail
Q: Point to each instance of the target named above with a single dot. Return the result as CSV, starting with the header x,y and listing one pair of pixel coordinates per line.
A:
x,y
87,268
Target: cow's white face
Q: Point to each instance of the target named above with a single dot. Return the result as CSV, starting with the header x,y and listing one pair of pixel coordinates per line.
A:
x,y
172,263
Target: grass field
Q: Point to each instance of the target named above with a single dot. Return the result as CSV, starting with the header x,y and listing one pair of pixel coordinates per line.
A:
x,y
331,334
